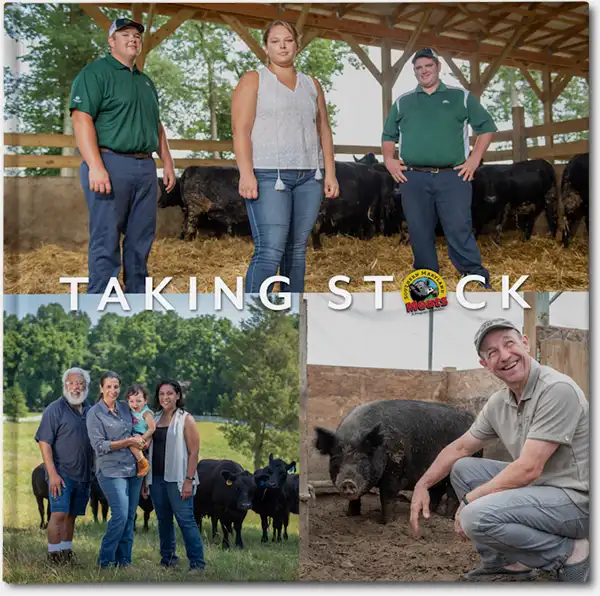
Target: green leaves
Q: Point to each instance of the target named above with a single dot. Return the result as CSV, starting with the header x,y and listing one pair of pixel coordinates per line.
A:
x,y
15,406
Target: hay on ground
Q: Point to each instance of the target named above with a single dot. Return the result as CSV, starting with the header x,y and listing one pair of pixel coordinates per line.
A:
x,y
550,267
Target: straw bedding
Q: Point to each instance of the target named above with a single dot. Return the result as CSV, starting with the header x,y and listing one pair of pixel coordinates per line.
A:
x,y
549,266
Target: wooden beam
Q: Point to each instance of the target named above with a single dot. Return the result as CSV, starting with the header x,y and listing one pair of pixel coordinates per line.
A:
x,y
304,431
560,86
136,11
171,26
519,141
530,322
141,59
475,76
547,103
476,18
307,37
387,74
410,46
456,71
97,15
393,19
246,36
532,83
302,18
362,56
67,161
493,67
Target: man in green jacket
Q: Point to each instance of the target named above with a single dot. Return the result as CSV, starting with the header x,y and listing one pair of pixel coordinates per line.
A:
x,y
115,114
430,124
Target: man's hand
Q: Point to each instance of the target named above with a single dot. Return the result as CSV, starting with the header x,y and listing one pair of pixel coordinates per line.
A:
x,y
457,527
395,167
99,181
169,176
467,169
56,484
418,503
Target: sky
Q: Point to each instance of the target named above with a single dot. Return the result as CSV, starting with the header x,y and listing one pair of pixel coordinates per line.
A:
x,y
390,338
22,305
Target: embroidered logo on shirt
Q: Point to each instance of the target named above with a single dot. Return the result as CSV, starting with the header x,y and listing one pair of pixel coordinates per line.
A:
x,y
77,99
445,101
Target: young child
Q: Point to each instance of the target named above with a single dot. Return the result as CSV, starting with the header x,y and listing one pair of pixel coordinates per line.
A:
x,y
143,423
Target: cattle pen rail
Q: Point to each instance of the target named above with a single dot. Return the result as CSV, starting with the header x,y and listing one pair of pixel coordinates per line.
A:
x,y
518,136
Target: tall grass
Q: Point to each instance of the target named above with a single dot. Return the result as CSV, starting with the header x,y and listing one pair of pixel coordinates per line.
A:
x,y
25,544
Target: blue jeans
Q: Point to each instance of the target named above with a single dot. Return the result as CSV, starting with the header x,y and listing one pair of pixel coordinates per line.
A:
x,y
427,196
130,210
123,495
74,498
167,501
281,221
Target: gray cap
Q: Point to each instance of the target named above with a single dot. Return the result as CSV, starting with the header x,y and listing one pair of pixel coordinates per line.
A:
x,y
490,325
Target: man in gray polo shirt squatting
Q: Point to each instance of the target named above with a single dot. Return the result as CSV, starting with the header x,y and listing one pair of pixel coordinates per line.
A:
x,y
67,454
115,114
435,169
532,513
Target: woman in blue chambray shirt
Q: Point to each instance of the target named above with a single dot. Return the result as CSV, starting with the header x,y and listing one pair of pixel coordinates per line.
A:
x,y
110,425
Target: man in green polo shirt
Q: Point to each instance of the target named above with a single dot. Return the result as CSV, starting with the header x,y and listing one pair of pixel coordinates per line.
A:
x,y
531,513
115,114
435,169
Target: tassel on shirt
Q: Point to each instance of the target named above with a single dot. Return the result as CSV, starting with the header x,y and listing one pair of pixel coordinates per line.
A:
x,y
318,174
279,185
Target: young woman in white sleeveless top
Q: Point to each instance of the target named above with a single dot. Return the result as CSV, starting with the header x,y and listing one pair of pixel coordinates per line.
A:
x,y
282,142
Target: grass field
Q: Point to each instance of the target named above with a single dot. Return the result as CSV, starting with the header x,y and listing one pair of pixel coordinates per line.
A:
x,y
25,544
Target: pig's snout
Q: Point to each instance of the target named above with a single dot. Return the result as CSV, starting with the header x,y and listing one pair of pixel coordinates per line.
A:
x,y
349,489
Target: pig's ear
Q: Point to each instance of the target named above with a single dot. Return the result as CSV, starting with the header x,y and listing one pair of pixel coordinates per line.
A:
x,y
325,441
372,439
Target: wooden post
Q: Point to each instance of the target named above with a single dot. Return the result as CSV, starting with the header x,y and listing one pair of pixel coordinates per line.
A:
x,y
549,141
304,441
475,76
519,141
387,78
530,322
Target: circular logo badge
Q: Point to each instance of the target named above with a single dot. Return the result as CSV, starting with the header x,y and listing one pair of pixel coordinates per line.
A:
x,y
424,291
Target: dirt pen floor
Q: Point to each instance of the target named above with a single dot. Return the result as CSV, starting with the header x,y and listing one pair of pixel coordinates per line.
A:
x,y
362,549
549,266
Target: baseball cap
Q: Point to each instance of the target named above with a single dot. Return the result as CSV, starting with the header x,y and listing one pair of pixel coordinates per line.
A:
x,y
123,22
426,53
490,325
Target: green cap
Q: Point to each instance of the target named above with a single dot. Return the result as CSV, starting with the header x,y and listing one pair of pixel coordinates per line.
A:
x,y
490,325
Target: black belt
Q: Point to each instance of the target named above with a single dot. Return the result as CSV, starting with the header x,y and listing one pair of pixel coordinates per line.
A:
x,y
134,155
430,169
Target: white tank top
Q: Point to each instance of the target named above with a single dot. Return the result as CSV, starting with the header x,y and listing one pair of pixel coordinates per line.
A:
x,y
284,135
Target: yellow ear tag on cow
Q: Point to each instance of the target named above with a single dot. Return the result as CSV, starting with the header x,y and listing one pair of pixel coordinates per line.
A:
x,y
228,483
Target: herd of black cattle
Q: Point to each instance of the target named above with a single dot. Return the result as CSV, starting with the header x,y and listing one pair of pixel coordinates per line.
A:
x,y
370,200
225,494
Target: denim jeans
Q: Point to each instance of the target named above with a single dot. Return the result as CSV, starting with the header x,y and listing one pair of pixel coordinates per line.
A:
x,y
427,196
281,222
167,501
123,495
130,210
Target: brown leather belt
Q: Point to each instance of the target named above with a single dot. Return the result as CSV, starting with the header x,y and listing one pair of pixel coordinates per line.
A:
x,y
134,155
429,169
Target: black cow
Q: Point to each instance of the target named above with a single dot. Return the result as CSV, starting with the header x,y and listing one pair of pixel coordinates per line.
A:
x,y
224,494
97,497
147,506
523,189
291,490
270,497
209,198
575,193
357,211
39,484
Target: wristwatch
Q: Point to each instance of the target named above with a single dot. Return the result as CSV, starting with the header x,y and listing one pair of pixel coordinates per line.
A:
x,y
464,500
189,478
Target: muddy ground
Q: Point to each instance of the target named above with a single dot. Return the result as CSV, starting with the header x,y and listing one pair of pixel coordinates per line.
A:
x,y
362,549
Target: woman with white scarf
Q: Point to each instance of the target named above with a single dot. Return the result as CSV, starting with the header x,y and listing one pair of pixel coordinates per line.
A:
x,y
173,477
282,141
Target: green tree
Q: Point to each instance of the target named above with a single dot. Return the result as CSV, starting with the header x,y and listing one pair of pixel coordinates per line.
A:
x,y
262,403
15,405
12,351
60,39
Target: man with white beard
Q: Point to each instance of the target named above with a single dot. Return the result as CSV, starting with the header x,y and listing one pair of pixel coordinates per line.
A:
x,y
67,454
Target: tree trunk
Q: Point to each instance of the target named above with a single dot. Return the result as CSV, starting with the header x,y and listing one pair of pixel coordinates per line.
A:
x,y
67,130
212,103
